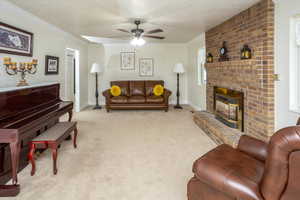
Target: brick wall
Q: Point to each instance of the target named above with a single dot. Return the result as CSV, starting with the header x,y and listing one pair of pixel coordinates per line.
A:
x,y
255,27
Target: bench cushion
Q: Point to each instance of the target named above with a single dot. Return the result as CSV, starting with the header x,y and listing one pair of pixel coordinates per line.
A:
x,y
55,132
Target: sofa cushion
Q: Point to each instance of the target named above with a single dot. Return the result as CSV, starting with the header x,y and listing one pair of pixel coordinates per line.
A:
x,y
158,90
115,91
136,99
154,99
149,85
119,99
137,88
231,171
124,85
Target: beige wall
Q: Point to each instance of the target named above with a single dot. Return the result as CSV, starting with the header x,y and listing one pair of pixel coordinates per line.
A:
x,y
196,93
165,57
48,40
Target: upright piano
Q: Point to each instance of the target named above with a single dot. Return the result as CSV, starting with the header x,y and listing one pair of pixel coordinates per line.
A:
x,y
25,113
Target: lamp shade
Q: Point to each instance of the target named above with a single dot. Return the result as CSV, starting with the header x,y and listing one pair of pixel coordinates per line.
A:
x,y
179,69
96,68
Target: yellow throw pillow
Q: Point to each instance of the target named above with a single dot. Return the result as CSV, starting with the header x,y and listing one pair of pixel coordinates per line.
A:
x,y
158,90
115,90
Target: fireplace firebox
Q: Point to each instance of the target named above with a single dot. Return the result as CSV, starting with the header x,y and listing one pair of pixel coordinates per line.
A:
x,y
229,107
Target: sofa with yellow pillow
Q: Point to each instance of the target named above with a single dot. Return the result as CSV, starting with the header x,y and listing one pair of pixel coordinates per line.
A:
x,y
148,94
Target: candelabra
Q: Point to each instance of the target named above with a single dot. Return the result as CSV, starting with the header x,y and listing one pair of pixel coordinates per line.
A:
x,y
13,69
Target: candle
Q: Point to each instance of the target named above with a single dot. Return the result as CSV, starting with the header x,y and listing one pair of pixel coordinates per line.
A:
x,y
29,66
14,66
7,60
34,61
22,66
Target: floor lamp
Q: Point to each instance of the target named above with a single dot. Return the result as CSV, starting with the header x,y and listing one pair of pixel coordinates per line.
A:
x,y
178,69
96,68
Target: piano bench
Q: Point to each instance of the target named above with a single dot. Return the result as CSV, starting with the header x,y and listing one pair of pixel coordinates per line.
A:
x,y
52,138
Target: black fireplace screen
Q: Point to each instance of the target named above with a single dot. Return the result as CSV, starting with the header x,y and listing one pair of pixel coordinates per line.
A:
x,y
229,108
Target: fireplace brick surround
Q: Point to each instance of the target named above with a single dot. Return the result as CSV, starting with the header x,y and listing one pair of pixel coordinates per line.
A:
x,y
254,77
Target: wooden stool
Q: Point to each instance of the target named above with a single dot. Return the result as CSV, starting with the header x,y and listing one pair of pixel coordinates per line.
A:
x,y
52,138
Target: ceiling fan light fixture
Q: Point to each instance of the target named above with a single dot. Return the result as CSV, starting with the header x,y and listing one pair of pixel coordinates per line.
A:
x,y
137,41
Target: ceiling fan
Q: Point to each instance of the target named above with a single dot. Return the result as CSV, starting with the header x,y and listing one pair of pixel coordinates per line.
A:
x,y
139,33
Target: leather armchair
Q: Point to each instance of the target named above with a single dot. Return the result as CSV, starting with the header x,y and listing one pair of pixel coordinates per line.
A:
x,y
254,171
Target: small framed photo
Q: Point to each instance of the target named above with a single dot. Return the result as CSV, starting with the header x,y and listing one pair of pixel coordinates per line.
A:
x,y
127,60
52,65
146,67
15,41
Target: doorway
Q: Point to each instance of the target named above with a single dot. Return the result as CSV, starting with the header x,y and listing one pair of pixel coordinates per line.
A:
x,y
72,88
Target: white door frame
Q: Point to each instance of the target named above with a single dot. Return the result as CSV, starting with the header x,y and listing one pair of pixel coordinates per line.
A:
x,y
77,77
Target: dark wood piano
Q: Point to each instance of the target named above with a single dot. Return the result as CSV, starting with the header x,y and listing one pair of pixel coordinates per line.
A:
x,y
25,113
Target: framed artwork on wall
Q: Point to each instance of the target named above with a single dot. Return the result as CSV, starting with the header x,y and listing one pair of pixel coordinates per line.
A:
x,y
52,65
127,60
146,67
15,41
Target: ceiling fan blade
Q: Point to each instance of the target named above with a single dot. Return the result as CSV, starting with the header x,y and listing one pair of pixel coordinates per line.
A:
x,y
155,37
123,30
155,31
128,36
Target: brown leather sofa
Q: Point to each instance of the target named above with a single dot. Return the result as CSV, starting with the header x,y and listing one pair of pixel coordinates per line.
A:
x,y
253,171
137,95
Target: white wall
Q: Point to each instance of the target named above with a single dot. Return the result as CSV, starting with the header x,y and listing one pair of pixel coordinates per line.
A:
x,y
284,11
196,93
165,57
48,40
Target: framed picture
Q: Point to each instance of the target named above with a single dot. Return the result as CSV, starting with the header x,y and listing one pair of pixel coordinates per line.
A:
x,y
146,67
52,65
15,41
127,60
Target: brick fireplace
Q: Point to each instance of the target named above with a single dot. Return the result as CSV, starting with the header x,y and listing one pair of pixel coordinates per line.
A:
x,y
254,77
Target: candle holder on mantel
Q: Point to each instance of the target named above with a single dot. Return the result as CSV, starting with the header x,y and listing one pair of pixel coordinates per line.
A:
x,y
13,69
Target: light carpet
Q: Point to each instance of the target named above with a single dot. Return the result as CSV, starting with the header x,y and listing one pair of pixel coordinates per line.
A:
x,y
122,155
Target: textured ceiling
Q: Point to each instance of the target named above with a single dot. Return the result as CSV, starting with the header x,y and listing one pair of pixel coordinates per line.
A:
x,y
181,20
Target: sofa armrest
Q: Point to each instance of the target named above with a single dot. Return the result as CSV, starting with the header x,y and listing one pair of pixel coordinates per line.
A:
x,y
167,94
298,123
107,94
253,147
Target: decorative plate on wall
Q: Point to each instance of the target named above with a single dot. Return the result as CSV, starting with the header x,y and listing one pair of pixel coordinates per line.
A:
x,y
15,41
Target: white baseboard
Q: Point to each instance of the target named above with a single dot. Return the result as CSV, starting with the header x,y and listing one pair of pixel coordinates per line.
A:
x,y
93,103
83,107
173,102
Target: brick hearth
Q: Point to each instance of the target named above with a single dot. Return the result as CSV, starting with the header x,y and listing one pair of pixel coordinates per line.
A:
x,y
255,27
217,131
